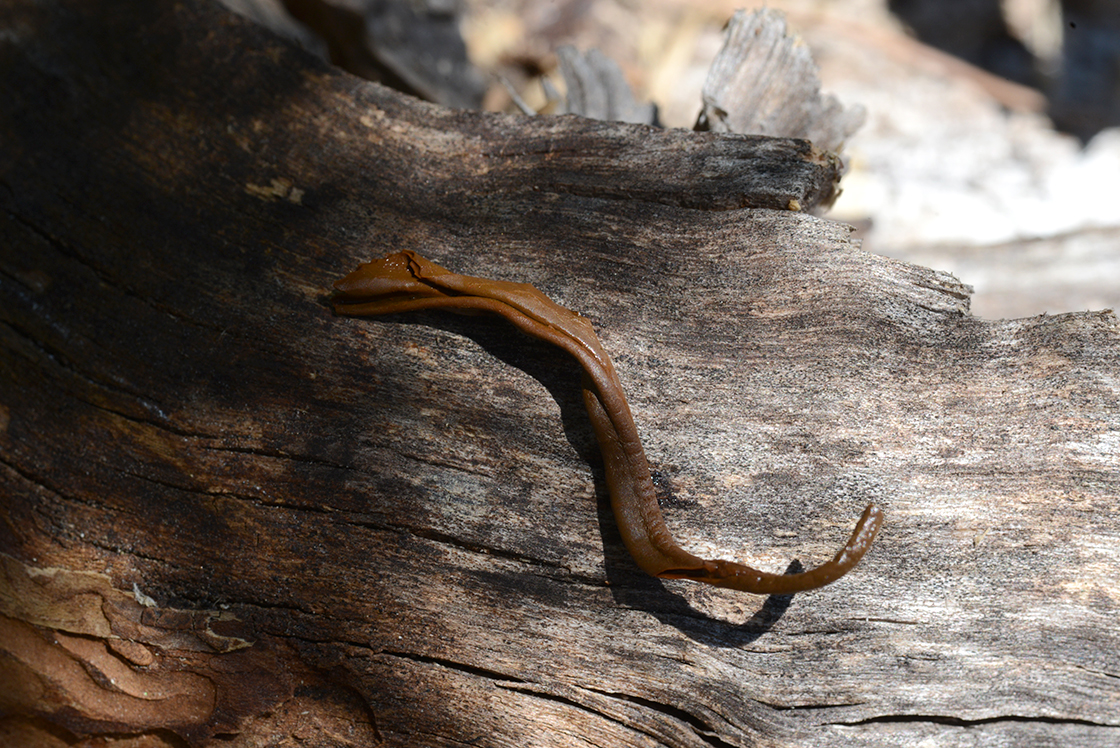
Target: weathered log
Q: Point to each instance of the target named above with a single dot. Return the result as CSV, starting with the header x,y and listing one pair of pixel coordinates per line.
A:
x,y
227,513
764,80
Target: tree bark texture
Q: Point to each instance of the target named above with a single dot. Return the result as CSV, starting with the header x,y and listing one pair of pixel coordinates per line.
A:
x,y
229,516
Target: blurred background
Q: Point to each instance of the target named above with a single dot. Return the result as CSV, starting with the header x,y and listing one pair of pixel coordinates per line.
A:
x,y
991,146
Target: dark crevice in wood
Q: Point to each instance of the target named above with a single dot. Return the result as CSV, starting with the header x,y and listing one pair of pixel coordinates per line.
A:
x,y
959,722
481,548
497,678
700,728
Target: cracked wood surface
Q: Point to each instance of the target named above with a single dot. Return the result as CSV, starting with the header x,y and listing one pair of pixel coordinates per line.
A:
x,y
275,522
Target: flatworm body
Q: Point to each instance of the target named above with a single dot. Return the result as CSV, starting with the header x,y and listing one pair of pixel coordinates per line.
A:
x,y
405,281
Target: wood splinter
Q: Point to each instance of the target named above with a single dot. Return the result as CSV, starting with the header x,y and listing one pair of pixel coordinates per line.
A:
x,y
405,281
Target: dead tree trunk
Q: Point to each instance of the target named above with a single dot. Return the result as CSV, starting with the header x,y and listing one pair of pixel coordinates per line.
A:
x,y
228,513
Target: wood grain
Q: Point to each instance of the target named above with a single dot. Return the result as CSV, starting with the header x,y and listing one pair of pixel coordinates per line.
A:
x,y
405,519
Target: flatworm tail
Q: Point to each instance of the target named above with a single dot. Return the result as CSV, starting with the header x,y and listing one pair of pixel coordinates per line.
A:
x,y
405,281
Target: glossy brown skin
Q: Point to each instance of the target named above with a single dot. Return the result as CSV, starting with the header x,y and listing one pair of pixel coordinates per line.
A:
x,y
405,281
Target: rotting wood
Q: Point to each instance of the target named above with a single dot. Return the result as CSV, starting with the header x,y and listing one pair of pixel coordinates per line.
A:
x,y
404,519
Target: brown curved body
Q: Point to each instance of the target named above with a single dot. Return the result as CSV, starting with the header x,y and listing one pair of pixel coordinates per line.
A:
x,y
405,281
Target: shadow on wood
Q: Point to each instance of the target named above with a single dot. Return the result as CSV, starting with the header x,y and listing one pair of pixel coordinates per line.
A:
x,y
229,514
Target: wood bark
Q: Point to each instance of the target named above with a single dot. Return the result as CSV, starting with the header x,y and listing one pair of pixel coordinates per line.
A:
x,y
229,516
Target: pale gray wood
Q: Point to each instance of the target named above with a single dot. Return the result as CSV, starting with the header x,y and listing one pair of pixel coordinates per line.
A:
x,y
1075,271
405,519
595,87
764,81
